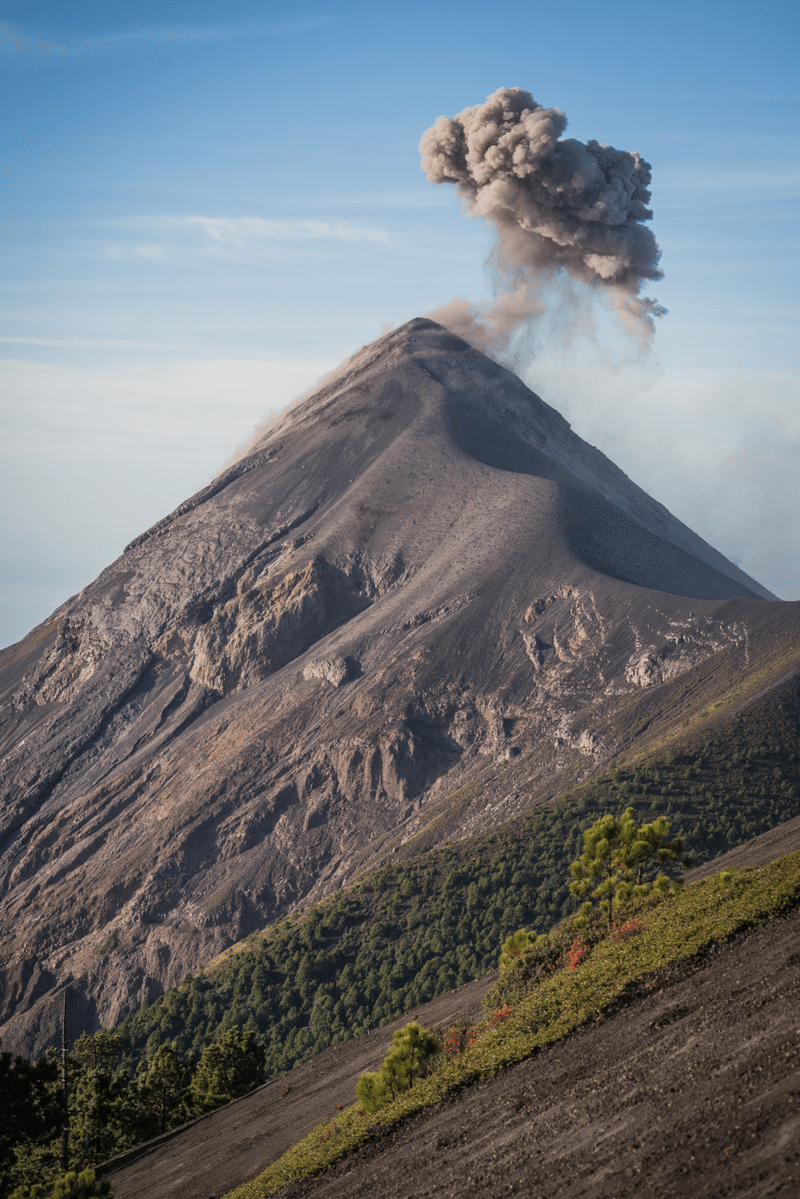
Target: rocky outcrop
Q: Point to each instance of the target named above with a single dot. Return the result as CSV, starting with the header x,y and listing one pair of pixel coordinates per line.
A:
x,y
418,605
275,617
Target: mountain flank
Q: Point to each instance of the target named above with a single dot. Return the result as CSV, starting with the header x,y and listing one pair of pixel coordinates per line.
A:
x,y
695,1013
430,920
418,607
691,1089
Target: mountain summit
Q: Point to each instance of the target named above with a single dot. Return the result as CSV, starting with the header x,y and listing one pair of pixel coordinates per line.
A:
x,y
418,578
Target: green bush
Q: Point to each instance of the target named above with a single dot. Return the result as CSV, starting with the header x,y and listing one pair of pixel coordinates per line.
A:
x,y
617,855
412,1046
539,959
69,1186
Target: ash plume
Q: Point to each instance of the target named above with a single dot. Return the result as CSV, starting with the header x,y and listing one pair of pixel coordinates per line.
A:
x,y
560,208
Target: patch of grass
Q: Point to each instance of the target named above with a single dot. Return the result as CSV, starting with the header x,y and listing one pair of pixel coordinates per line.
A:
x,y
677,927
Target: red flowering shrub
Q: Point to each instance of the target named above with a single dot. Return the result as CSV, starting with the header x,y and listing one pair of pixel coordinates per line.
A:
x,y
458,1039
576,954
499,1017
629,929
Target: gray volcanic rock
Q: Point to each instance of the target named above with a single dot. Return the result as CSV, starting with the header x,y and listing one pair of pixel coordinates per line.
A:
x,y
419,573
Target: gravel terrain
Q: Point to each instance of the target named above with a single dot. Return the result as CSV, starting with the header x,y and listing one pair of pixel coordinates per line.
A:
x,y
225,1148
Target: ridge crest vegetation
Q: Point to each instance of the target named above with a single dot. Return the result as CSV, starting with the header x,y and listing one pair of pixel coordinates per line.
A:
x,y
663,928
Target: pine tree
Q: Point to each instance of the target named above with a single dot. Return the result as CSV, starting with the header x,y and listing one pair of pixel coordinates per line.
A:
x,y
410,1049
513,946
160,1091
98,1098
615,859
231,1067
30,1112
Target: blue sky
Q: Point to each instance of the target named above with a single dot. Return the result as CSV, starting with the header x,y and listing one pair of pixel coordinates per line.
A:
x,y
206,207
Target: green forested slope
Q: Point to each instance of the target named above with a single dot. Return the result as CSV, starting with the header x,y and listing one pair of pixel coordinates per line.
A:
x,y
414,929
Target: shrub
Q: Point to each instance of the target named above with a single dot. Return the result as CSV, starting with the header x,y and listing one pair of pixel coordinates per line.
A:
x,y
576,954
498,1017
458,1039
630,928
541,958
411,1048
69,1186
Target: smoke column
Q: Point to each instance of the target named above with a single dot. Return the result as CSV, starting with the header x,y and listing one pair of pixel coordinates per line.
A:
x,y
562,210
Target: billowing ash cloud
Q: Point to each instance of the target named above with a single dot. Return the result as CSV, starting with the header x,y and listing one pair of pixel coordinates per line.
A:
x,y
558,206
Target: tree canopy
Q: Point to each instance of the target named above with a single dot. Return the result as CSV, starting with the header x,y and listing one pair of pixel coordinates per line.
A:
x,y
410,1049
618,858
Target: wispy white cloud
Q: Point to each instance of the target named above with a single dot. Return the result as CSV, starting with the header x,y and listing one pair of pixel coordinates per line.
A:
x,y
27,48
16,43
310,23
776,97
148,251
234,237
75,343
242,229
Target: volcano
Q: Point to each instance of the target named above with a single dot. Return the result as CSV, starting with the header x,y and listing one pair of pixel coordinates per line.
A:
x,y
416,606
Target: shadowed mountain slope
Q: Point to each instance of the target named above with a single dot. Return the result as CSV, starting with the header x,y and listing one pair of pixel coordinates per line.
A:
x,y
416,576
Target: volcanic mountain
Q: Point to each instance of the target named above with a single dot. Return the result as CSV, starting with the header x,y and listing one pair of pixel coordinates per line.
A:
x,y
416,605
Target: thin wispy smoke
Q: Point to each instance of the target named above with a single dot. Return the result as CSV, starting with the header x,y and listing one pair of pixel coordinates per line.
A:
x,y
559,207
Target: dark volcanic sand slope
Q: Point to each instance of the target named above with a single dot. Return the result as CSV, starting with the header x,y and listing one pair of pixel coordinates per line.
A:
x,y
227,1147
666,1038
689,1090
419,575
